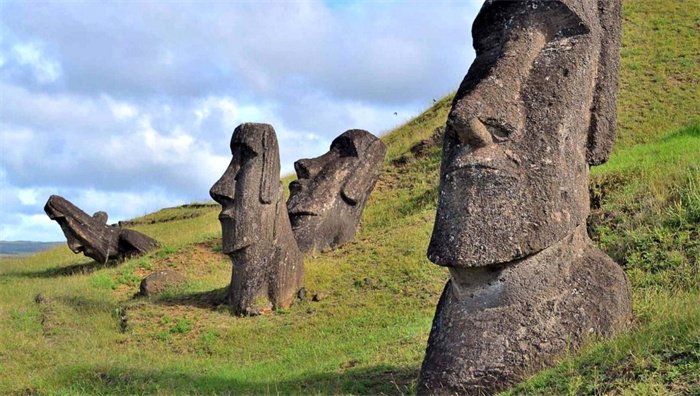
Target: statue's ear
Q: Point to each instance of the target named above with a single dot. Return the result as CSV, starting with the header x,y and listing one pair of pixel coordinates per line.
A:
x,y
269,182
601,133
362,178
101,217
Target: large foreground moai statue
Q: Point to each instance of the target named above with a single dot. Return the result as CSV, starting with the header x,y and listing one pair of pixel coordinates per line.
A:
x,y
268,268
536,109
327,200
92,236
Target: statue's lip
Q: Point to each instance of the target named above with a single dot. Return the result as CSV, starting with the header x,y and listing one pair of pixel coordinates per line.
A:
x,y
53,212
295,186
225,216
55,216
302,213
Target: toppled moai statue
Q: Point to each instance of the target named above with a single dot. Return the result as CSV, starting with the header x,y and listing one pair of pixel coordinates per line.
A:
x,y
268,268
92,236
536,109
327,200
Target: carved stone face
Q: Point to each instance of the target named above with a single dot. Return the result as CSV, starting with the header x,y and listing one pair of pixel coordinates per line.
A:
x,y
268,268
514,173
248,191
84,233
327,200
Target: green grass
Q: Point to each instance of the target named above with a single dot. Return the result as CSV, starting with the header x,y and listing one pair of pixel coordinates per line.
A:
x,y
89,334
660,69
650,211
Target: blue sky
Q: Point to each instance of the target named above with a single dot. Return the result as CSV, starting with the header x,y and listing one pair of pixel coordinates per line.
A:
x,y
128,106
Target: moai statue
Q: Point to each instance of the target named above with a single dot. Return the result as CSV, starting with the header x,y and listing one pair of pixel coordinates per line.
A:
x,y
92,236
536,109
327,200
268,268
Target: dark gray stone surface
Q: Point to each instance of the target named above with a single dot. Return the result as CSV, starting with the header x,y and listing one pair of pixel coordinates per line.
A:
x,y
514,175
159,281
494,323
327,199
535,110
268,268
92,236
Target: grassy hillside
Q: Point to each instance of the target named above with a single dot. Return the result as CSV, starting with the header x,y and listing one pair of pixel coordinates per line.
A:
x,y
660,74
70,326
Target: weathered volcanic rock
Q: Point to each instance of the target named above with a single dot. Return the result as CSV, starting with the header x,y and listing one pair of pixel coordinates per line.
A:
x,y
493,323
535,110
92,236
327,199
268,268
514,174
159,281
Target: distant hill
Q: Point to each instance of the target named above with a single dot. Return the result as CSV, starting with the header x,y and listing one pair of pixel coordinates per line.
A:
x,y
17,248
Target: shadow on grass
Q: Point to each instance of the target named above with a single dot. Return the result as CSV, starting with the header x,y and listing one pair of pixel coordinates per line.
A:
x,y
375,380
213,299
86,304
71,270
691,130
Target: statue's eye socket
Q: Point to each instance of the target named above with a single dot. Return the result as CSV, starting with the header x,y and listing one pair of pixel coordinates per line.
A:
x,y
345,147
498,130
247,152
571,26
243,152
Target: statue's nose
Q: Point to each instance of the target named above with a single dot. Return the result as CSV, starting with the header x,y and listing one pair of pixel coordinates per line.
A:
x,y
307,168
471,132
223,191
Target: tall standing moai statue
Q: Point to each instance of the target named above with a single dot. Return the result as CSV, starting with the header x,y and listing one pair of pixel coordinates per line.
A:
x,y
536,109
326,201
268,268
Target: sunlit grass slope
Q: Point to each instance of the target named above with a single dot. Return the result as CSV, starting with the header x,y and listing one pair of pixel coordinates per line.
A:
x,y
70,326
660,69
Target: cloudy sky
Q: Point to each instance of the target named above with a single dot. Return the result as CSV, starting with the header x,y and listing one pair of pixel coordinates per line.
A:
x,y
128,106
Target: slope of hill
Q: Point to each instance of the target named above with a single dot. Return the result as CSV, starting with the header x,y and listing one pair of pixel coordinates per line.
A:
x,y
71,326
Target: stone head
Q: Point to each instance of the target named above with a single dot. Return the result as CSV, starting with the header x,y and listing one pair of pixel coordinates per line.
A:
x,y
84,233
249,190
535,110
327,199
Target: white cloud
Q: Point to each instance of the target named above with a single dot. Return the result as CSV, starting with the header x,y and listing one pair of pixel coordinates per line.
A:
x,y
14,143
27,196
44,69
108,103
36,226
122,205
121,110
228,112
